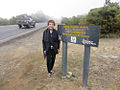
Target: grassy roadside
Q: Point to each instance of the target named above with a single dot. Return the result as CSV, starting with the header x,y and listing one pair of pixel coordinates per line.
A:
x,y
103,75
104,69
31,72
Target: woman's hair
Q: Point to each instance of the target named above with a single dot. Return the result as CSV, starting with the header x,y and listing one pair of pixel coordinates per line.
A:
x,y
51,21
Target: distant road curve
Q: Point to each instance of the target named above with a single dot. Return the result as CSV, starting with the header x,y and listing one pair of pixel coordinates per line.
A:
x,y
10,31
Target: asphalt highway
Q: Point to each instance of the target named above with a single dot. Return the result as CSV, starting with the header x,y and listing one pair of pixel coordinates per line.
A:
x,y
13,30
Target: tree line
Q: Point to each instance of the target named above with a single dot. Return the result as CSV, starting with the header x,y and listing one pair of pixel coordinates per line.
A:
x,y
108,17
38,17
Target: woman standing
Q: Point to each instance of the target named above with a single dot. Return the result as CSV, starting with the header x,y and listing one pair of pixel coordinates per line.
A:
x,y
51,45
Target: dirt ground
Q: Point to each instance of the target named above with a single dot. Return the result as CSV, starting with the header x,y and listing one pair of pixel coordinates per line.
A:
x,y
22,66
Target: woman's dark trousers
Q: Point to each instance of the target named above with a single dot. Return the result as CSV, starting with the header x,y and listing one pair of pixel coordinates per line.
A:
x,y
51,55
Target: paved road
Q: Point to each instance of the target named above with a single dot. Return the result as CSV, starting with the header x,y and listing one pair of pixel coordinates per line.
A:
x,y
13,30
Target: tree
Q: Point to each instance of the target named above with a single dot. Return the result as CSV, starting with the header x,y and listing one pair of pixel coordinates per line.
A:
x,y
107,2
4,21
12,20
107,17
80,19
40,17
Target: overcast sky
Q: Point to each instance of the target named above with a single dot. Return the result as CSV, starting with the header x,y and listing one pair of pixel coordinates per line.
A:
x,y
54,8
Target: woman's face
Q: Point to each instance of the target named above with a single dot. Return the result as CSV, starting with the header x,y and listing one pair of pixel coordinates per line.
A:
x,y
51,26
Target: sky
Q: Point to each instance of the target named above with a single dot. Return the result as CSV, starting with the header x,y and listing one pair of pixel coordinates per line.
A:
x,y
53,8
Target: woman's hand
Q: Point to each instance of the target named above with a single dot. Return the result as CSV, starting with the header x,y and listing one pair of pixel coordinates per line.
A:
x,y
58,50
45,52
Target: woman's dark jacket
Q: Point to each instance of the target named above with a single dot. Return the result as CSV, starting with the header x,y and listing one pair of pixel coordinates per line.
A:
x,y
46,40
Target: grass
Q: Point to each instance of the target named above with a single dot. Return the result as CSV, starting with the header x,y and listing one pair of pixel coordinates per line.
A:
x,y
38,74
59,72
96,72
3,82
35,78
34,59
75,65
72,77
40,87
93,65
25,73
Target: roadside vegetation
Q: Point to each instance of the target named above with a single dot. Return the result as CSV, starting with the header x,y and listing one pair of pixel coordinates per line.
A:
x,y
38,17
108,17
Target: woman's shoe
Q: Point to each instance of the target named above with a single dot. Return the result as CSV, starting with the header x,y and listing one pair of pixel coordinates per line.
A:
x,y
49,74
52,72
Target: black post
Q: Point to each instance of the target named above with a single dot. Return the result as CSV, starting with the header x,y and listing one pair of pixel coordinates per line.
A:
x,y
64,58
86,65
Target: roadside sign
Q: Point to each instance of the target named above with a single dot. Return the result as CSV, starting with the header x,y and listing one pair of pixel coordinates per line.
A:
x,y
79,34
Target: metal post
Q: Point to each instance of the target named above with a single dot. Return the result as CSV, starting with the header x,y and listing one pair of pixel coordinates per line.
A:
x,y
86,64
64,58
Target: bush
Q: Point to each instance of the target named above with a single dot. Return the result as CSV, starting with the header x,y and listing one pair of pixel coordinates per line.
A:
x,y
107,17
